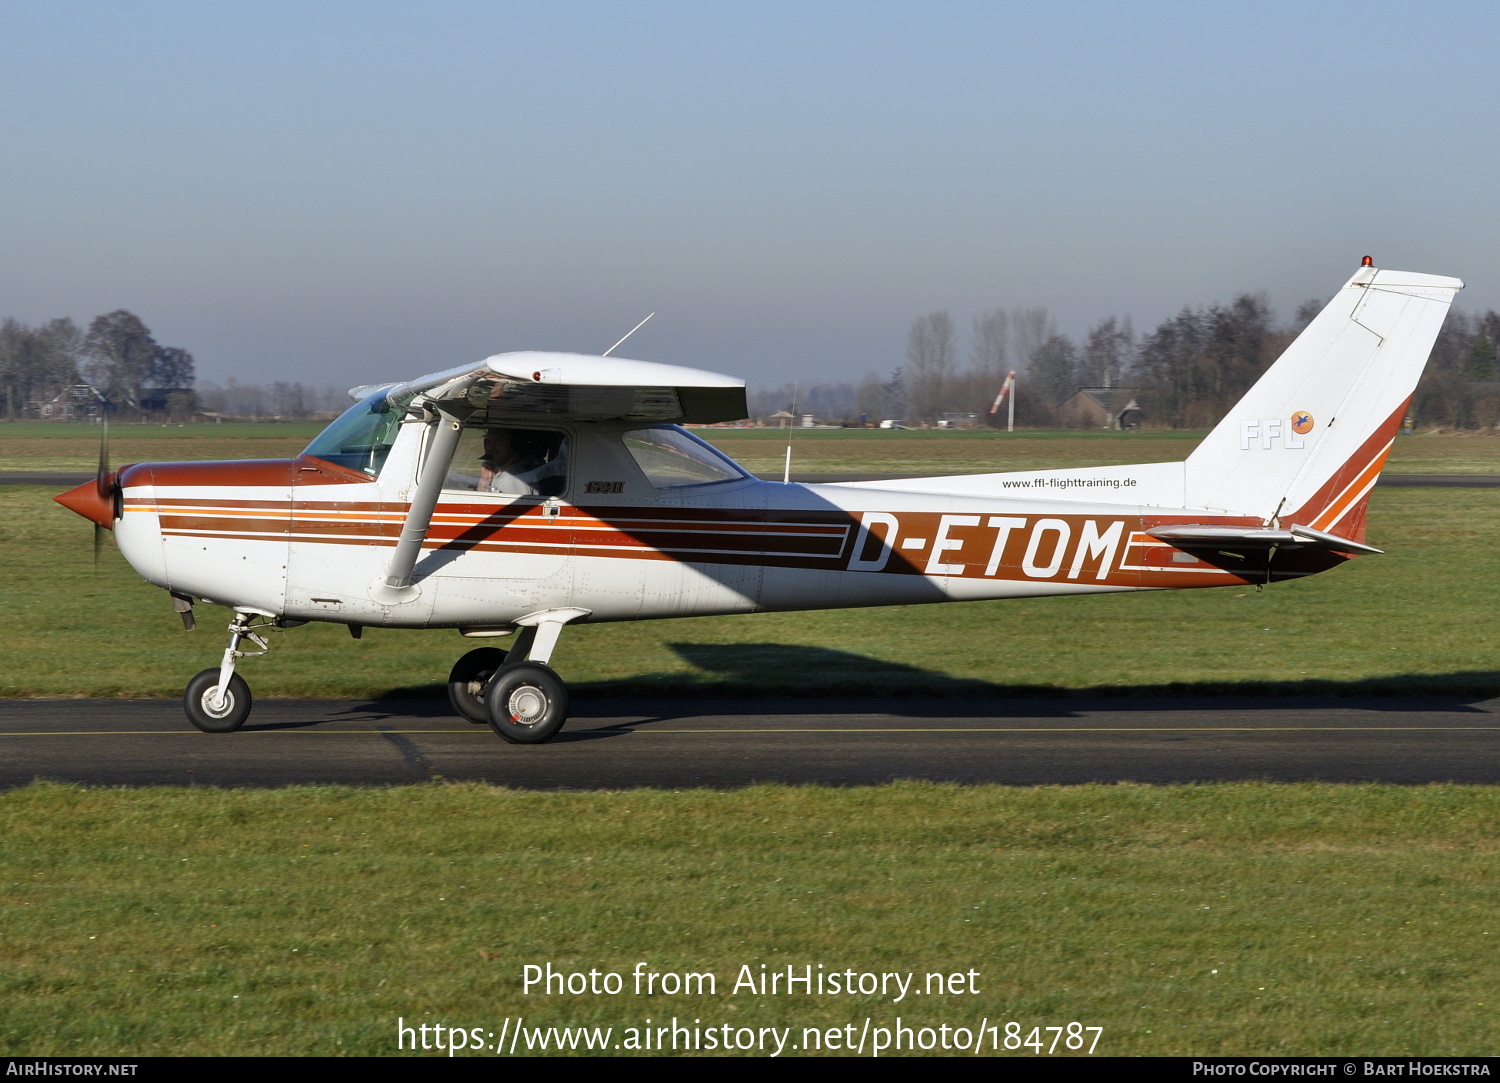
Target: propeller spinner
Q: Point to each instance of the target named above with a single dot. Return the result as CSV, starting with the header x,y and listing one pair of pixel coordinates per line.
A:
x,y
97,500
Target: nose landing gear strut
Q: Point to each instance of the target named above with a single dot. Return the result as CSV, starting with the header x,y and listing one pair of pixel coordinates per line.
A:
x,y
218,700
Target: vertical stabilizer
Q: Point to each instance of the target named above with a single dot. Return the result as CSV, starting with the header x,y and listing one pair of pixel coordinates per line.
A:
x,y
1306,443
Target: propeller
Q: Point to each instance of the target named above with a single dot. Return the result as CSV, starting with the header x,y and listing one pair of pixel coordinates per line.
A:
x,y
102,483
98,501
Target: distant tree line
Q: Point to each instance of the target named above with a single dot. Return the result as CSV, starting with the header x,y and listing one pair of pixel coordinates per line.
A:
x,y
273,400
1459,389
1185,373
55,363
117,356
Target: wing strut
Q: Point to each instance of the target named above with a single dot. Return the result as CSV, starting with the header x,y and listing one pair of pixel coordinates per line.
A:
x,y
397,586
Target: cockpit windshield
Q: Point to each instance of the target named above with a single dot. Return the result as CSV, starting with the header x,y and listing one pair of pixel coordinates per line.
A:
x,y
361,437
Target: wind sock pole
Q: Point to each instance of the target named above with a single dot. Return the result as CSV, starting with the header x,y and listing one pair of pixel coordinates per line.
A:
x,y
1008,395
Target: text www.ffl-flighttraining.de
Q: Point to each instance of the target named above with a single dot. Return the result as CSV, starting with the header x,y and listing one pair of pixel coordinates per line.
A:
x,y
1070,483
517,1037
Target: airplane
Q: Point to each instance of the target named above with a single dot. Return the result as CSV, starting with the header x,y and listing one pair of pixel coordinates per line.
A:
x,y
533,491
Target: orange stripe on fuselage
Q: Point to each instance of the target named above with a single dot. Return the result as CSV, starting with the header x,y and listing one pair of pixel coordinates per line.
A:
x,y
1038,551
1343,491
1355,489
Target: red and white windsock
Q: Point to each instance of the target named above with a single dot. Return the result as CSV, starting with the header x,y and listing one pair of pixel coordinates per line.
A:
x,y
1007,388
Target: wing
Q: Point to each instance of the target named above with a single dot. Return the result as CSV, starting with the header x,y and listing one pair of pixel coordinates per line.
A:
x,y
536,385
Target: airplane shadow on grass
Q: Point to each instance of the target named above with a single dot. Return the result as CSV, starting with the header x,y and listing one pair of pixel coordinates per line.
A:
x,y
781,679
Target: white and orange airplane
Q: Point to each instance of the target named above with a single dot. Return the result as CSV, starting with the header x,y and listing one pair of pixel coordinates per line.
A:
x,y
535,490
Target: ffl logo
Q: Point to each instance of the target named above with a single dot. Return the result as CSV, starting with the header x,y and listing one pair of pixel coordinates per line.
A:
x,y
1271,429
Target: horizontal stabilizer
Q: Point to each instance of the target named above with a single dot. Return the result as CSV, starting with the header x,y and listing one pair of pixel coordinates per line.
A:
x,y
1198,534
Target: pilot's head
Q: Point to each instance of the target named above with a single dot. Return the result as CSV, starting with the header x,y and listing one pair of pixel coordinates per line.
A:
x,y
506,446
497,445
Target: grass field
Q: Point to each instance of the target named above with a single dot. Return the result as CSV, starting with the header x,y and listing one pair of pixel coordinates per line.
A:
x,y
1233,919
1228,919
1409,621
916,452
57,446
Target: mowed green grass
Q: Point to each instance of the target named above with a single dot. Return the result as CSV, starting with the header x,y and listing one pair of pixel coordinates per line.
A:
x,y
58,446
65,446
1419,619
1229,919
855,451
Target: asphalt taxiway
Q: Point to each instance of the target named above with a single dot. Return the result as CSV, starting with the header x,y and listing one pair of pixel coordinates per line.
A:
x,y
1404,481
730,743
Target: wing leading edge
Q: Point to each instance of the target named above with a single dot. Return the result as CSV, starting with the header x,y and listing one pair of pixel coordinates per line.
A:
x,y
536,384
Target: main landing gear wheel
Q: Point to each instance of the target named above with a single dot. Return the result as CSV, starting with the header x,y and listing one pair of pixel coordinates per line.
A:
x,y
228,716
467,679
527,703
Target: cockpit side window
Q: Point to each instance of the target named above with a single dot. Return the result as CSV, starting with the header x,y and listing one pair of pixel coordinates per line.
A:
x,y
510,461
361,437
671,458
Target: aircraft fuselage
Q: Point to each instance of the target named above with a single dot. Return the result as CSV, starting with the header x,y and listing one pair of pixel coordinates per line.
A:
x,y
305,539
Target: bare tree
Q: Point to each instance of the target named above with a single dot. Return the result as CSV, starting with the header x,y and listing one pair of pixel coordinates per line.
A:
x,y
1305,313
878,400
1053,369
172,367
989,346
1195,365
125,360
15,363
181,405
64,345
36,362
121,351
989,360
930,351
1030,327
1107,354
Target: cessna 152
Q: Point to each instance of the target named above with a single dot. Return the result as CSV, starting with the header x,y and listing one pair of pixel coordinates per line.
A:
x,y
535,490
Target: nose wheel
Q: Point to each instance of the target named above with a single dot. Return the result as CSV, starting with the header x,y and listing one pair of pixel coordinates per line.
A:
x,y
212,713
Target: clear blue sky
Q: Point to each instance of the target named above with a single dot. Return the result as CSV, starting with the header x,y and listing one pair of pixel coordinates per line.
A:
x,y
343,192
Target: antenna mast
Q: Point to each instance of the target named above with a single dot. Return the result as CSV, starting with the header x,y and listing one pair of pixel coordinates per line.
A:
x,y
786,477
632,331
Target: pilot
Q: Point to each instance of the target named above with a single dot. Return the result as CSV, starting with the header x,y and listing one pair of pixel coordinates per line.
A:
x,y
515,462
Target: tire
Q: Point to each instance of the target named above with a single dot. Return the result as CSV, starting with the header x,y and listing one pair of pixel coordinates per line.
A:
x,y
196,701
467,679
527,703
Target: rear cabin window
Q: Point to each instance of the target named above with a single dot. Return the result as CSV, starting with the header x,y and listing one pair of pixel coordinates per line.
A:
x,y
671,458
512,462
361,437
